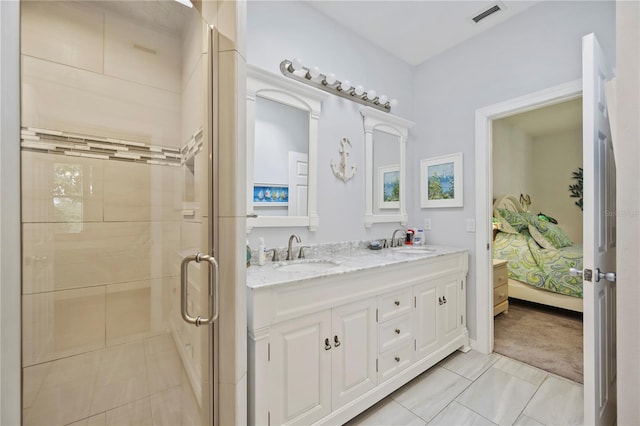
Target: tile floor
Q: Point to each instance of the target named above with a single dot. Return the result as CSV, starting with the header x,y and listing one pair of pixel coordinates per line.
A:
x,y
479,389
139,383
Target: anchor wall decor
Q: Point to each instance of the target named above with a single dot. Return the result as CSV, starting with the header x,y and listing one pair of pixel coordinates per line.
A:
x,y
340,171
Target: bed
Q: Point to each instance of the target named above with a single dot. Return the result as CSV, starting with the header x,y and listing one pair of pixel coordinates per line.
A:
x,y
538,257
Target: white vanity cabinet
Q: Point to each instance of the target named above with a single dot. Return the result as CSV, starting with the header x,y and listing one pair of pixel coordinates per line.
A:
x,y
321,350
321,361
439,314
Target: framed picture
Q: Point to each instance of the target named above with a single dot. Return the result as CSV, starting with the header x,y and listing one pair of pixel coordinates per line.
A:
x,y
270,195
389,187
441,181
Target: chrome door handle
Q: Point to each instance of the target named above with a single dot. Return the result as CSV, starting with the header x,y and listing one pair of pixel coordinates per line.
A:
x,y
609,276
213,289
575,272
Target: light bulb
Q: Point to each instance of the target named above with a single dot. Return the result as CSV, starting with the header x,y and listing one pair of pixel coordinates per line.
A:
x,y
359,90
371,95
330,79
314,72
345,86
393,103
296,64
383,99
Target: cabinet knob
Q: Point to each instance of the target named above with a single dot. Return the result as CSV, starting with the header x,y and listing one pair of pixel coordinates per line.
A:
x,y
336,341
397,359
327,345
444,299
439,300
397,331
397,303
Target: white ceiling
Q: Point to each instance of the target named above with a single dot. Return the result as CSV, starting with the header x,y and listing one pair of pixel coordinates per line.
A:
x,y
556,118
415,31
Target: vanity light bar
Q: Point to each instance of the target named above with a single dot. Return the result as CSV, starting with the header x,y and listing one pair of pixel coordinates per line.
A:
x,y
313,77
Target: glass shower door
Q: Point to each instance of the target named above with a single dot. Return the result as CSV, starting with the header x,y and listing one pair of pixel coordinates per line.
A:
x,y
116,192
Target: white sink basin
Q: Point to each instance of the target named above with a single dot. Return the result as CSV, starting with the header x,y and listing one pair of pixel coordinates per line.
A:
x,y
307,265
413,250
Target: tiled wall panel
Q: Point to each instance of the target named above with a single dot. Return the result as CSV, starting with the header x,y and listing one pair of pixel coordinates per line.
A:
x,y
59,97
66,33
62,323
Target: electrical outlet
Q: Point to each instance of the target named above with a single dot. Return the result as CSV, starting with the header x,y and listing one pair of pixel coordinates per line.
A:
x,y
471,225
427,224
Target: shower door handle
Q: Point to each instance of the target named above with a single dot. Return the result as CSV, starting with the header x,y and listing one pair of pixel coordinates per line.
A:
x,y
213,289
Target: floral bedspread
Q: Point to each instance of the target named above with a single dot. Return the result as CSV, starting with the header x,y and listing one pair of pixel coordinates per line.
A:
x,y
543,268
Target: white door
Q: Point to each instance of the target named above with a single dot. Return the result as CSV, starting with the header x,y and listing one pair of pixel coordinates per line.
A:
x,y
427,320
301,369
353,357
298,182
599,241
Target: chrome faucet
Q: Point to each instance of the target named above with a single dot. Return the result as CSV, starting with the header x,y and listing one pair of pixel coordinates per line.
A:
x,y
289,251
393,237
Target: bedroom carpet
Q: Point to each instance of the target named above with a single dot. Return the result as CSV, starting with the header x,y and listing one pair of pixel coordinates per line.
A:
x,y
547,338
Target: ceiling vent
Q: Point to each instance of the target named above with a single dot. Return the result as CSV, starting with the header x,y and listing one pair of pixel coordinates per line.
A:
x,y
496,7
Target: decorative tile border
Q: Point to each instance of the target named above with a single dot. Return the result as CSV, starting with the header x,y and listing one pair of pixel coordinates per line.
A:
x,y
78,145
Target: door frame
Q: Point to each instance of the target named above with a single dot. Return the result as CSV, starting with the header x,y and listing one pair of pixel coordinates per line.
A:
x,y
484,184
10,251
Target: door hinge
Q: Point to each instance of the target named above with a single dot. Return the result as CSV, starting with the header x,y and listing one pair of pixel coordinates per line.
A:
x,y
415,302
460,319
461,285
268,352
269,418
376,365
376,315
488,246
415,345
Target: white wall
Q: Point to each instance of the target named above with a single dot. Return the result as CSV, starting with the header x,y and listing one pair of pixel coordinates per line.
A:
x,y
537,49
554,159
628,205
9,214
285,30
512,165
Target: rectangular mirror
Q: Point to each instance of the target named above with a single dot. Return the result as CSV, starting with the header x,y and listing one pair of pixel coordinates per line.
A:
x,y
385,141
282,140
281,159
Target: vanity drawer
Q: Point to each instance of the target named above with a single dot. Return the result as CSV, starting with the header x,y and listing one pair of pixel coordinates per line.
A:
x,y
392,305
394,361
500,294
395,332
500,276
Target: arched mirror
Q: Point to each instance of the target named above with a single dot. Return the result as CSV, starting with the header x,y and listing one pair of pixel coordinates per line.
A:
x,y
385,142
282,140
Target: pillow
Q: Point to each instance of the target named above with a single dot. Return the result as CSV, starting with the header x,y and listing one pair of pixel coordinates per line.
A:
x,y
553,234
539,238
515,219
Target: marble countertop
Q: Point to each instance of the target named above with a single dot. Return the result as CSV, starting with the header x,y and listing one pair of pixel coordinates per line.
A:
x,y
345,262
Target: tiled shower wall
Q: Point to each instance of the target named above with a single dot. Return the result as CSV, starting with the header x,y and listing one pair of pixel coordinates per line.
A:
x,y
104,269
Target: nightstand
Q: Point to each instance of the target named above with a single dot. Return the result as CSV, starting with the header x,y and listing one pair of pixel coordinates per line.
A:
x,y
500,287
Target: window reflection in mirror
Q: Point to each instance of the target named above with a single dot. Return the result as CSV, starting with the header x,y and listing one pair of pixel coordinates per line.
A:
x,y
386,172
281,159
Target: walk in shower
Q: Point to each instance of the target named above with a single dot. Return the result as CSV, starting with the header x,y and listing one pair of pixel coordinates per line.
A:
x,y
116,190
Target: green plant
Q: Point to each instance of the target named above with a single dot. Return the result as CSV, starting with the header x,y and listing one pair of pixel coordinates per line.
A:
x,y
575,190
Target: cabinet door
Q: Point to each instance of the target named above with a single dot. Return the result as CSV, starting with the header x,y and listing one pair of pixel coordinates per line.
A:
x,y
353,357
449,291
300,370
426,319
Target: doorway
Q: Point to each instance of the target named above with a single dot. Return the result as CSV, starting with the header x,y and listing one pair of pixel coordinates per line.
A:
x,y
484,188
537,155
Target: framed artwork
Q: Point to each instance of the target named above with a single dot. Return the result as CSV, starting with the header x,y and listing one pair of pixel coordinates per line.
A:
x,y
441,181
270,195
389,187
